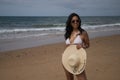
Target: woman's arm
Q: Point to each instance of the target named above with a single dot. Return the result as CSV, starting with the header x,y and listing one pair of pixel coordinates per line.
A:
x,y
86,43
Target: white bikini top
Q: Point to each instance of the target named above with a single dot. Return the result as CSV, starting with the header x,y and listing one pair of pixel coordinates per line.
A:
x,y
77,40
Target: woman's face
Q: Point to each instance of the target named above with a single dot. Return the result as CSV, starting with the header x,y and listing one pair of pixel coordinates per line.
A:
x,y
75,22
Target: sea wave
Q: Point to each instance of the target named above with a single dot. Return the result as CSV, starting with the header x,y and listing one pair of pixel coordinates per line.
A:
x,y
31,29
48,25
84,26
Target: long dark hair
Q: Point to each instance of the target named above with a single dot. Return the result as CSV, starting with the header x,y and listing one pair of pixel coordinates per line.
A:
x,y
69,27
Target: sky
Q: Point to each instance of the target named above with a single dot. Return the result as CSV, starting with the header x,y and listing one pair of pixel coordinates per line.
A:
x,y
59,7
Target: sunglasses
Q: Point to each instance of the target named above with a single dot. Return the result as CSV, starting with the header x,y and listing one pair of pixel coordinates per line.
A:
x,y
73,21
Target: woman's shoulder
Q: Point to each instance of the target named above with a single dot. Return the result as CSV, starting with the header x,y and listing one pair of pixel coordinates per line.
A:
x,y
84,32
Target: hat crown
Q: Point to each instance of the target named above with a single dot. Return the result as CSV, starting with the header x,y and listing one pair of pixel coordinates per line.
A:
x,y
73,60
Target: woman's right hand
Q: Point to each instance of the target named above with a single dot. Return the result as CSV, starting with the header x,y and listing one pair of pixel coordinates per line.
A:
x,y
78,46
67,45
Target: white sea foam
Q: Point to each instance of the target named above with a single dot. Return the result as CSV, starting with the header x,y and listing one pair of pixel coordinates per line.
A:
x,y
31,29
85,26
99,26
35,32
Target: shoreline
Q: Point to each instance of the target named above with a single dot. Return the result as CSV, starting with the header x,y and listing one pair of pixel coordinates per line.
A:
x,y
44,62
15,44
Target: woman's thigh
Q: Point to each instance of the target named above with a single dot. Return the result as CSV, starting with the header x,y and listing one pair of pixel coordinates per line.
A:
x,y
68,75
81,76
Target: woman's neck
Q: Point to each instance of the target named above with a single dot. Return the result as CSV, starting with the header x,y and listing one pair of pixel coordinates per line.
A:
x,y
75,30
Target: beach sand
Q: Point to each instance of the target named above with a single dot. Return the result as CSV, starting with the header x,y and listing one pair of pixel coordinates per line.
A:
x,y
44,62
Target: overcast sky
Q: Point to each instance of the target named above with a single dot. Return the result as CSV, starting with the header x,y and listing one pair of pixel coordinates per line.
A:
x,y
59,7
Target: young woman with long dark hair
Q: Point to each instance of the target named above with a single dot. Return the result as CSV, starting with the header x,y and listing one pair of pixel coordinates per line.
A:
x,y
75,35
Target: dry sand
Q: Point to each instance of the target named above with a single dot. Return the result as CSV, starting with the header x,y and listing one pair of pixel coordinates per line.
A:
x,y
44,62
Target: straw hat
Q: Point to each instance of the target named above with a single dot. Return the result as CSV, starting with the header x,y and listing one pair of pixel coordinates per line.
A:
x,y
74,60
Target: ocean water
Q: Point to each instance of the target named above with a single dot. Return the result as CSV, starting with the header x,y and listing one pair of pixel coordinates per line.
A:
x,y
20,27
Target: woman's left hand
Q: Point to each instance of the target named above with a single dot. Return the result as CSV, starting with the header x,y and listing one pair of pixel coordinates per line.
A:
x,y
78,46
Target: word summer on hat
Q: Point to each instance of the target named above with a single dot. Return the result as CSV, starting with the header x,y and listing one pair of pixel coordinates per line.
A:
x,y
74,60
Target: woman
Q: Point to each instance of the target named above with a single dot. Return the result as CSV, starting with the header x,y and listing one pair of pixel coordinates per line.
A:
x,y
76,35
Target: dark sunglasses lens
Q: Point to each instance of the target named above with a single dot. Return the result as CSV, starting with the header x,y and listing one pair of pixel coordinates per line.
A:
x,y
75,21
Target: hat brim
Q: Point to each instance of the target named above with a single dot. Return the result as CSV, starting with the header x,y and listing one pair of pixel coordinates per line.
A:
x,y
81,54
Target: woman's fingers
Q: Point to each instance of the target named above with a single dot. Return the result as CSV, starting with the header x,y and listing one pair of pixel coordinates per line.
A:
x,y
78,46
67,45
